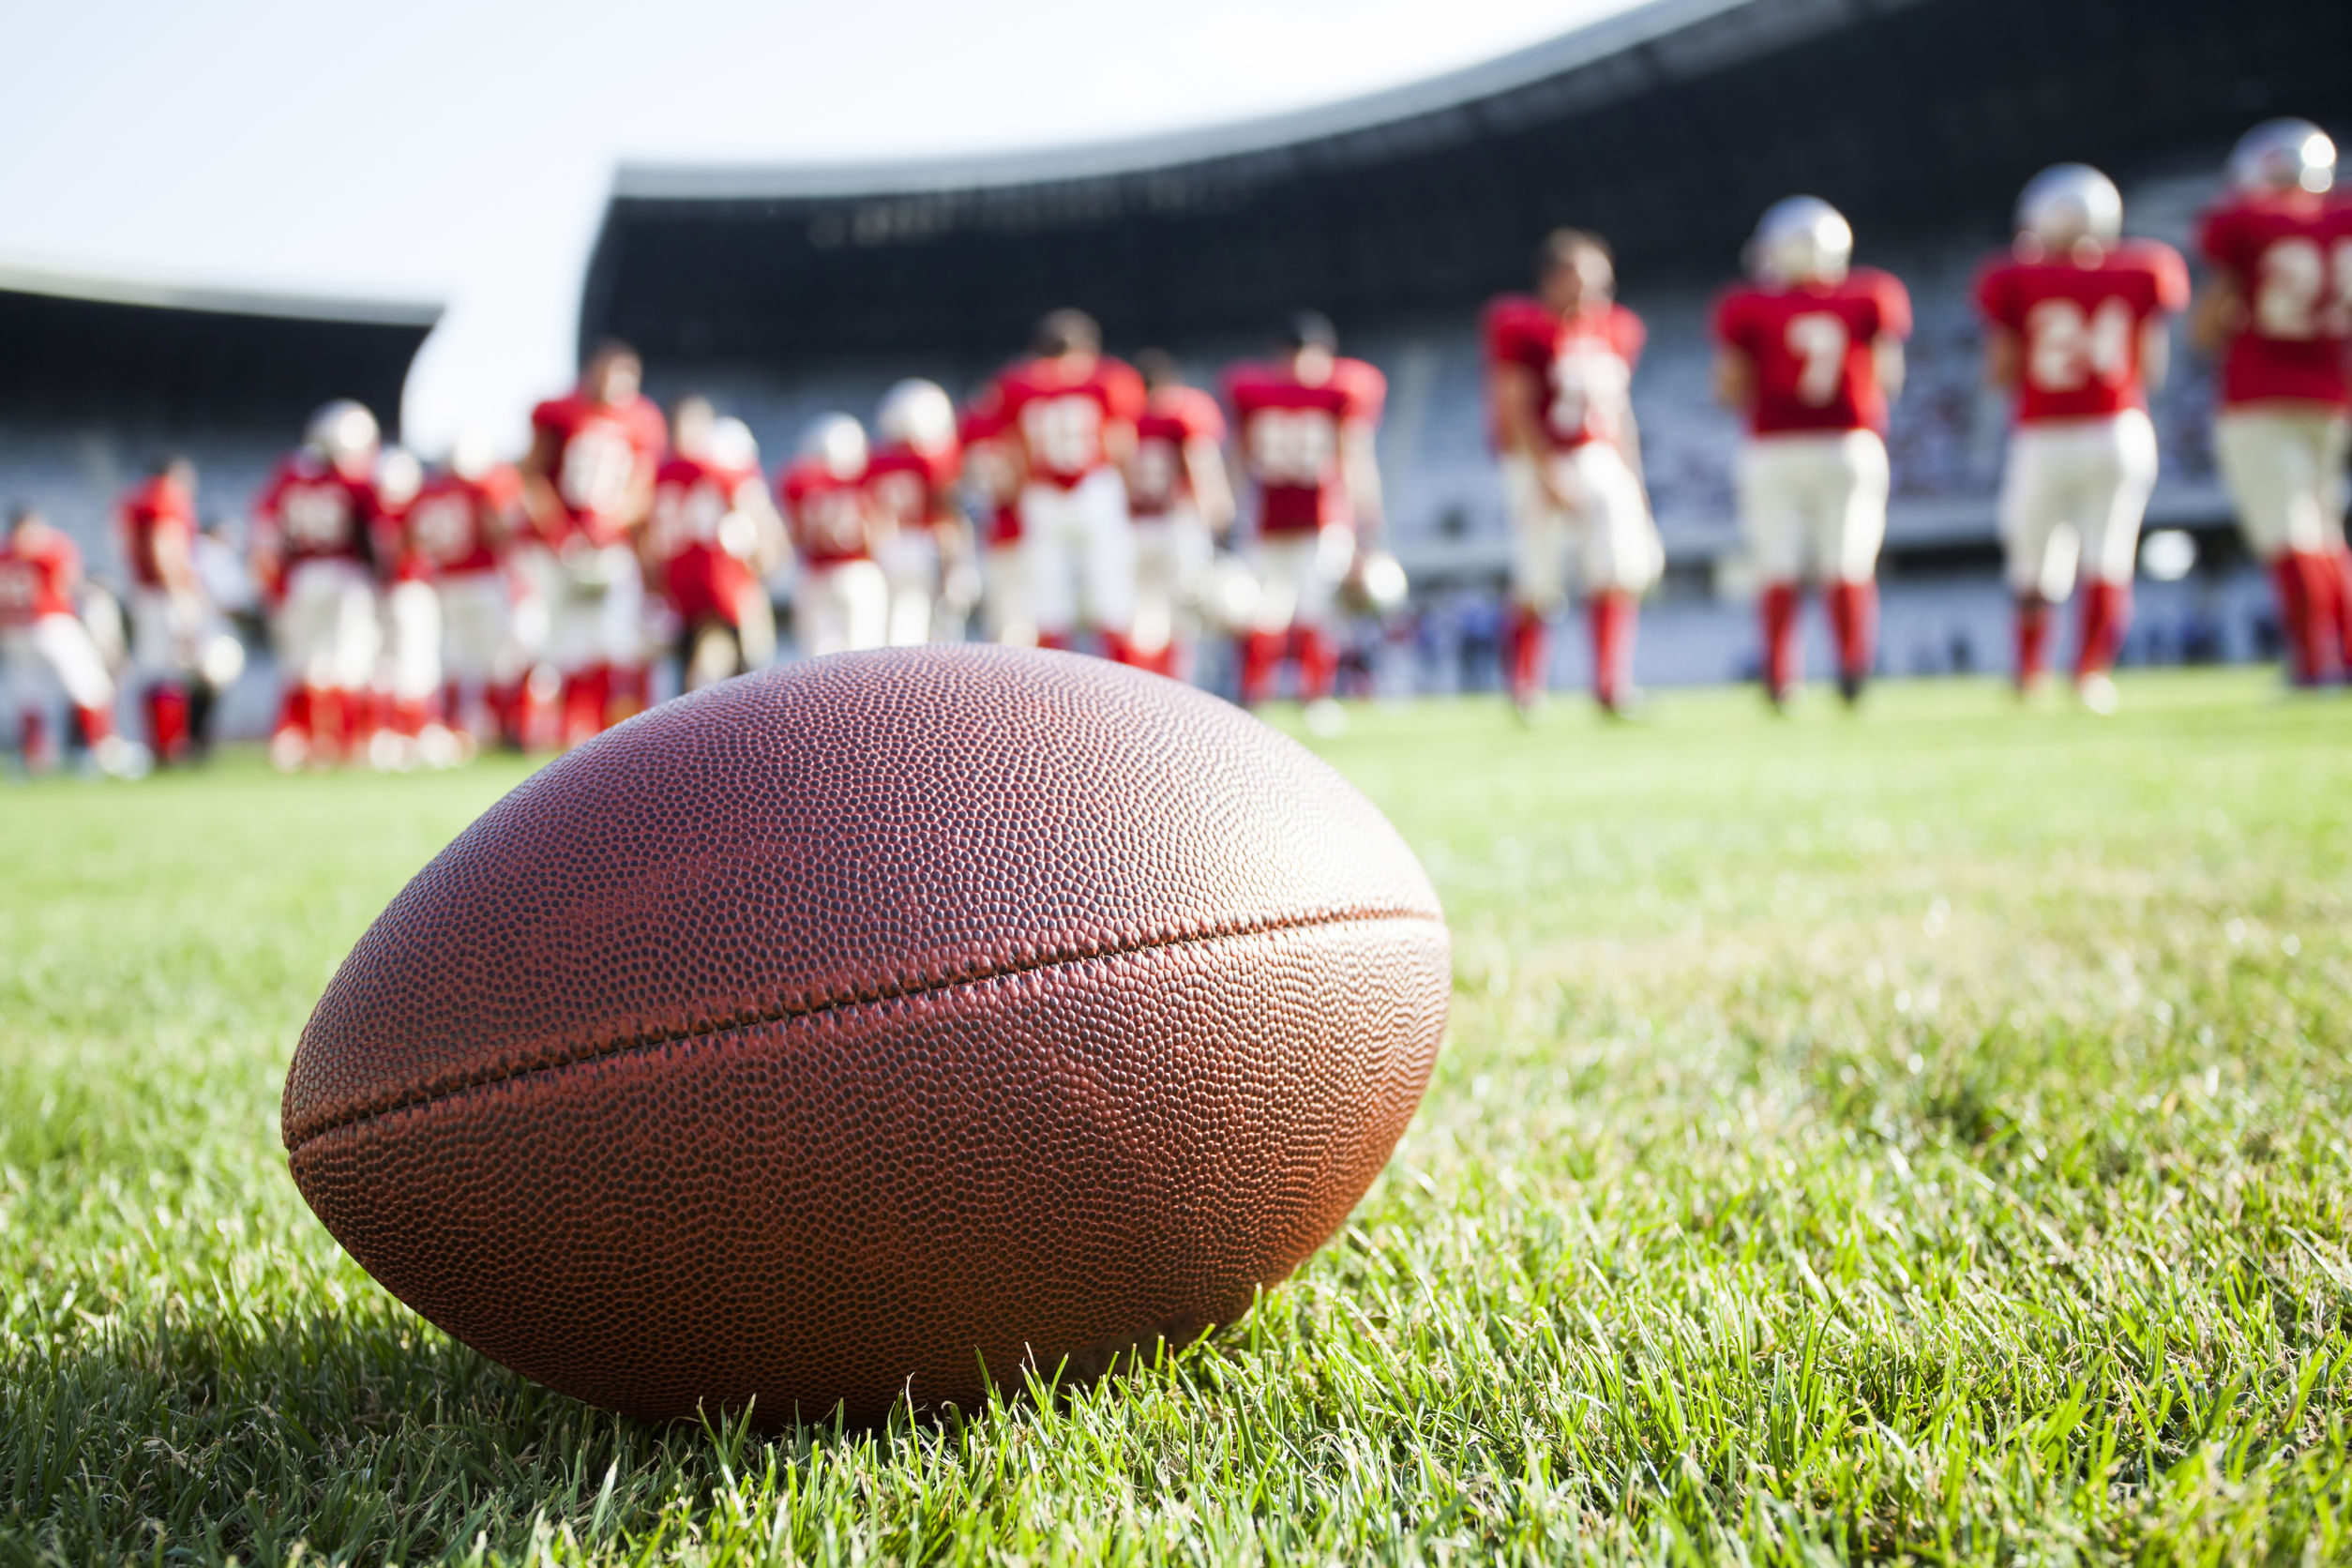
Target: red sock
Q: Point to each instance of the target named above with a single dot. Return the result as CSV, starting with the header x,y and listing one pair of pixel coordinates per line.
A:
x,y
1053,639
167,721
1319,661
626,695
1261,657
96,723
2337,571
2290,578
1117,648
326,720
1780,636
293,712
586,692
408,717
33,736
2106,613
1612,614
1525,647
1854,617
2033,638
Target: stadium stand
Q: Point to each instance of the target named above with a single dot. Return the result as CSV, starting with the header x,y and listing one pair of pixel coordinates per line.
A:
x,y
786,291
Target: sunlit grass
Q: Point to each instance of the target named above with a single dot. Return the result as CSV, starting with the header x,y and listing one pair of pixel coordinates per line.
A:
x,y
1923,1134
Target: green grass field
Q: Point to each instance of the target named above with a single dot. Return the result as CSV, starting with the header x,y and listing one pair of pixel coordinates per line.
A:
x,y
1925,1136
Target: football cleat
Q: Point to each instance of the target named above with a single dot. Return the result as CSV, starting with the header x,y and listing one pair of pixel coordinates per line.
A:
x,y
838,442
917,414
2067,205
1801,239
2283,154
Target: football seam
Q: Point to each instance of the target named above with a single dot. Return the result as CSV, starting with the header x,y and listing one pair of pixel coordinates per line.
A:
x,y
1063,959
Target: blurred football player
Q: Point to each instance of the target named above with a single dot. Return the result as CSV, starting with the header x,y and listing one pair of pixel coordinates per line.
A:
x,y
46,651
1074,409
712,540
407,726
461,525
2077,330
841,600
2278,312
1304,426
313,555
157,524
992,493
587,487
1181,500
1811,353
912,477
1560,371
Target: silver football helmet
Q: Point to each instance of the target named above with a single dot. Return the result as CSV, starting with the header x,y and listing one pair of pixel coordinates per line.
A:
x,y
731,444
917,414
838,442
2067,204
2283,154
342,432
1801,239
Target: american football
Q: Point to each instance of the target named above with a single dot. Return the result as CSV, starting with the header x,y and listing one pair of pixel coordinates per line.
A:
x,y
867,1031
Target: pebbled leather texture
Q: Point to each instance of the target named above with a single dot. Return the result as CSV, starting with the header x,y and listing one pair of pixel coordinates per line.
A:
x,y
860,1031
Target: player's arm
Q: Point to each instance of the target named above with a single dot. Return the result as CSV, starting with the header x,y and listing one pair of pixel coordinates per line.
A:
x,y
1886,352
1212,486
1735,379
2219,313
2001,358
1629,448
770,540
2155,351
541,506
1360,471
175,562
1517,393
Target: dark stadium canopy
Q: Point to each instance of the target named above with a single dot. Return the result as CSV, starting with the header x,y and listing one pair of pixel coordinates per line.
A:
x,y
74,347
1667,128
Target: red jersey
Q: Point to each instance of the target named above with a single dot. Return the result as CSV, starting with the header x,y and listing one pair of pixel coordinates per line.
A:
x,y
2292,257
2080,325
1160,479
697,571
1061,419
829,517
1290,439
458,526
602,454
1584,364
1810,347
991,472
911,488
36,575
159,513
311,511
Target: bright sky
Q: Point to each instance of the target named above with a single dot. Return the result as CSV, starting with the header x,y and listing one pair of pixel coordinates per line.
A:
x,y
462,149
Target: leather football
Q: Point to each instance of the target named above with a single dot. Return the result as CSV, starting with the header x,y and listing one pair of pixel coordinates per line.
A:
x,y
867,1032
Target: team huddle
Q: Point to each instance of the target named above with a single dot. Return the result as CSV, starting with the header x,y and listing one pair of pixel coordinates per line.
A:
x,y
1076,501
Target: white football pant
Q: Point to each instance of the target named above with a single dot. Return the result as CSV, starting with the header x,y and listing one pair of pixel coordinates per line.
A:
x,y
839,606
1608,524
1079,552
411,669
52,657
327,635
2284,469
599,612
166,632
1299,577
477,628
1005,596
910,566
1815,505
1171,568
2074,491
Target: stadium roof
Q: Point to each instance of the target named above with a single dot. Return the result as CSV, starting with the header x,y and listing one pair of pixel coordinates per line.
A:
x,y
74,344
1667,128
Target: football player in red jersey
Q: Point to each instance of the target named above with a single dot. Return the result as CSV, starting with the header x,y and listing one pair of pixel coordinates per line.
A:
x,y
911,477
840,600
45,649
1560,369
1180,500
1304,426
992,493
1074,409
405,727
2279,313
157,522
587,485
712,537
2076,329
313,553
1811,353
459,527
